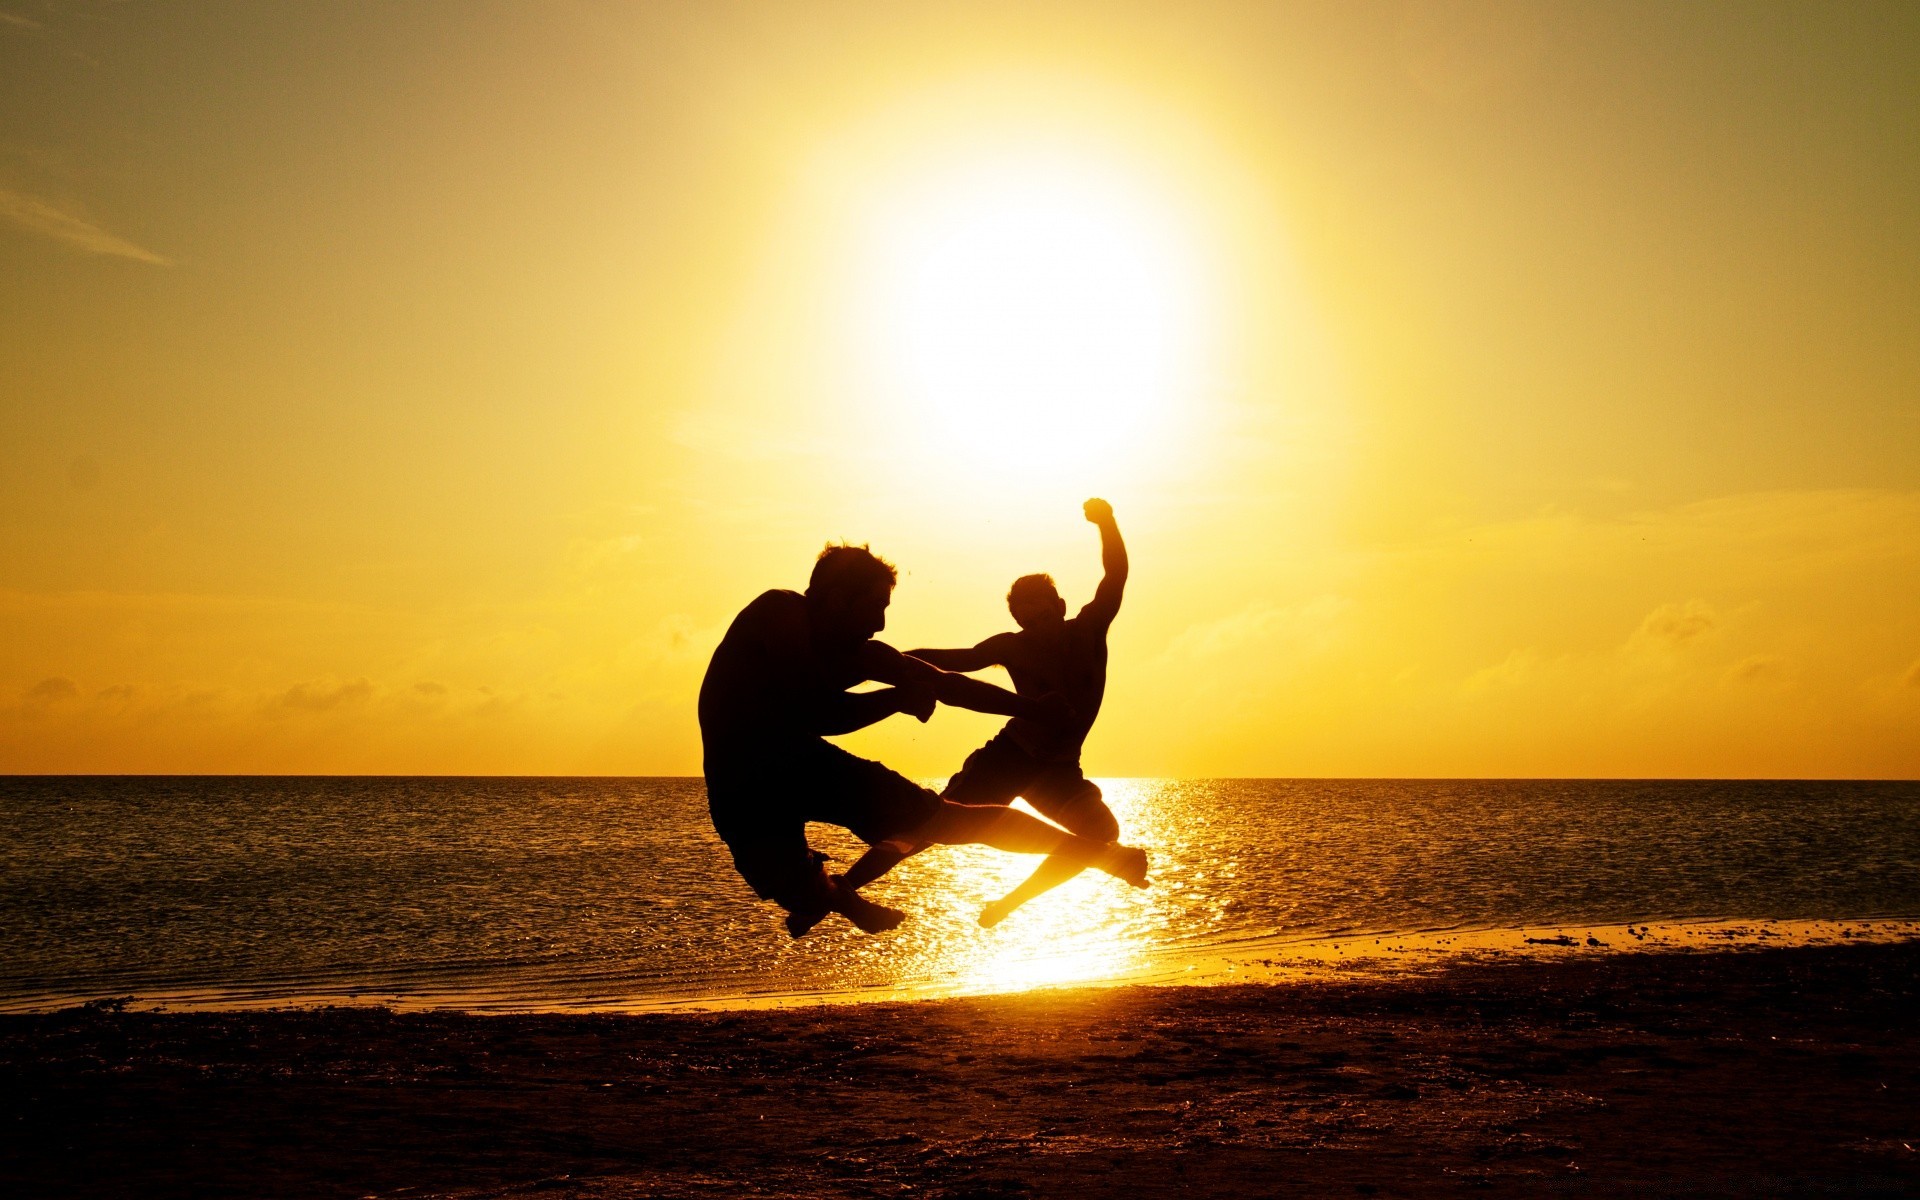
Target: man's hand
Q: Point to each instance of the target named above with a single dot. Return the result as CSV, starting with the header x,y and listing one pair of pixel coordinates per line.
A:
x,y
917,698
1098,511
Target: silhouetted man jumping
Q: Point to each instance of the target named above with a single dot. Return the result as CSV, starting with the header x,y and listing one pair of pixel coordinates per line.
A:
x,y
777,687
1037,757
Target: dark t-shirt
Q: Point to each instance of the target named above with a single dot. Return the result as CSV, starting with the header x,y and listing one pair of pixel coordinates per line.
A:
x,y
1075,666
768,681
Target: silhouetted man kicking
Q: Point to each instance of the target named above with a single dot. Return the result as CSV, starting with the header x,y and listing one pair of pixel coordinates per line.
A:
x,y
777,687
1036,757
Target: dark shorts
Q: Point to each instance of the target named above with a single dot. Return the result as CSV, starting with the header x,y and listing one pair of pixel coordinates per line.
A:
x,y
1003,769
761,803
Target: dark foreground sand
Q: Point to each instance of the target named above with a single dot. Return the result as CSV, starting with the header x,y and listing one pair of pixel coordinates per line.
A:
x,y
1793,1071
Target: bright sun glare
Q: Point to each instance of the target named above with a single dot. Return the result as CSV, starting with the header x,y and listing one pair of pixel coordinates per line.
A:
x,y
1034,314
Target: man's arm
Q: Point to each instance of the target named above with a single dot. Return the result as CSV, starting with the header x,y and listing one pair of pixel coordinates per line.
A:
x,y
990,653
857,710
777,622
1105,605
884,664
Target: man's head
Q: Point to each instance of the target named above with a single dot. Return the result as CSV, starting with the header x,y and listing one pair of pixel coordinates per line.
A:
x,y
848,592
1035,603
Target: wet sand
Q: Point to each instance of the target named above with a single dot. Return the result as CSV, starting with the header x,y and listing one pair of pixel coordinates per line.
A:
x,y
1664,1072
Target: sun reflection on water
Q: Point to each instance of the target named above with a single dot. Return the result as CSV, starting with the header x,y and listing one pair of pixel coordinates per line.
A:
x,y
1091,929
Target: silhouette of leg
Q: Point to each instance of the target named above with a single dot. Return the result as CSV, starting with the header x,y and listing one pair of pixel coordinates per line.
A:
x,y
880,858
1047,876
1087,815
1015,831
864,913
828,895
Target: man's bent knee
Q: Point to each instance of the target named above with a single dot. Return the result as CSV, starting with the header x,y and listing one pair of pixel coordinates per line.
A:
x,y
1093,821
1097,823
1086,813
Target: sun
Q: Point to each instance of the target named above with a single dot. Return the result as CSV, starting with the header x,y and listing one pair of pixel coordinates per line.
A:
x,y
1034,313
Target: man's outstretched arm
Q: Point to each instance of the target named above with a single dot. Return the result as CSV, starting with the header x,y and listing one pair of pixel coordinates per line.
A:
x,y
776,623
1105,605
990,653
884,664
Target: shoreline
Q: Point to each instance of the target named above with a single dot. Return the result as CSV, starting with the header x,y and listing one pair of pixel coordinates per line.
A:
x,y
1660,1072
1302,958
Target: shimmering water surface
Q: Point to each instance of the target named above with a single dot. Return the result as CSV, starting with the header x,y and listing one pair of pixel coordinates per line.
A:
x,y
557,891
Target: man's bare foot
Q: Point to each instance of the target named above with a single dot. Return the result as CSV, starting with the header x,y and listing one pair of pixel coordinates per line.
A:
x,y
1125,862
798,923
869,917
865,914
995,913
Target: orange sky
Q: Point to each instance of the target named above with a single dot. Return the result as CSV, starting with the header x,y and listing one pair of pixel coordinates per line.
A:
x,y
1484,389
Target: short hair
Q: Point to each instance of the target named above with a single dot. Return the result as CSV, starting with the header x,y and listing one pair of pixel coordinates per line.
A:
x,y
1029,585
845,568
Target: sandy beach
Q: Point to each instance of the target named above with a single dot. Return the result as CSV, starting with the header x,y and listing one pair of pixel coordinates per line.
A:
x,y
1666,1072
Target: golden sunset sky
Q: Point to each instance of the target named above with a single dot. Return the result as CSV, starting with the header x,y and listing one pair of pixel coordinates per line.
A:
x,y
1483,389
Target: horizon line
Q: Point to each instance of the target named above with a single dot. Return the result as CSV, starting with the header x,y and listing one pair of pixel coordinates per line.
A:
x,y
1187,778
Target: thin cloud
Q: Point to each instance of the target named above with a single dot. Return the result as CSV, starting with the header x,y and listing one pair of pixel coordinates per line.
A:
x,y
1311,624
37,216
1756,669
1677,624
17,19
52,691
324,697
1518,669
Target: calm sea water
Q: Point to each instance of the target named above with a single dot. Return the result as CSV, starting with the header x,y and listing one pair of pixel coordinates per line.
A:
x,y
555,891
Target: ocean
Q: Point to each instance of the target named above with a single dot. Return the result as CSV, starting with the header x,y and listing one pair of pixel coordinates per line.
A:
x,y
493,893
